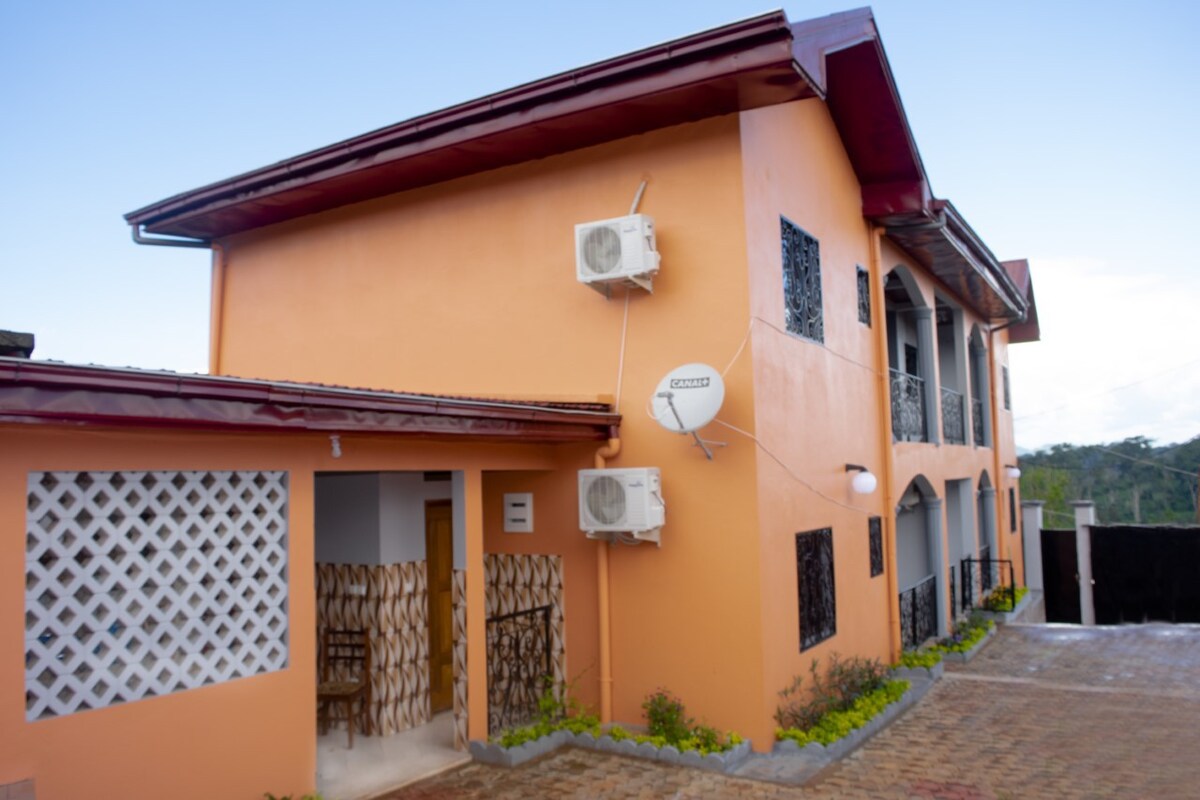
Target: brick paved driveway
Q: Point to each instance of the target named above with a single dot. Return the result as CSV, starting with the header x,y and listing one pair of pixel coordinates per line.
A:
x,y
1043,712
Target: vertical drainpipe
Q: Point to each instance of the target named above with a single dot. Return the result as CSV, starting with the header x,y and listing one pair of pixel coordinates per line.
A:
x,y
997,464
216,310
888,460
610,450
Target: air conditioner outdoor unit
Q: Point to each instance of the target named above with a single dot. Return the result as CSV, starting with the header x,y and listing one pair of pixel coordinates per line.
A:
x,y
616,251
621,501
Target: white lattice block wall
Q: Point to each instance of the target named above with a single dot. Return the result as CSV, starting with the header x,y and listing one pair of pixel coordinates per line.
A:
x,y
139,584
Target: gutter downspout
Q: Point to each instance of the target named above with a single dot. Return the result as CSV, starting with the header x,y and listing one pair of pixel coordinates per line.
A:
x,y
217,302
142,239
216,316
878,320
1001,539
610,450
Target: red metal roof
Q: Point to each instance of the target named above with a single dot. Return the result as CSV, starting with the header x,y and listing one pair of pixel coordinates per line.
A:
x,y
756,62
50,392
1028,329
739,66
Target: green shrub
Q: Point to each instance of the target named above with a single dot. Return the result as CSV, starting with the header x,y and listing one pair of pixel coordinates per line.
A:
x,y
843,683
966,634
665,716
1000,600
553,715
669,724
837,723
618,734
919,658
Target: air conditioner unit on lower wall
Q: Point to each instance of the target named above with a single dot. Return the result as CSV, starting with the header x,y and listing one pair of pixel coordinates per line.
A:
x,y
621,501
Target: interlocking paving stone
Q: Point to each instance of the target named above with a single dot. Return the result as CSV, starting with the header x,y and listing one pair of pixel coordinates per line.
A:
x,y
1042,712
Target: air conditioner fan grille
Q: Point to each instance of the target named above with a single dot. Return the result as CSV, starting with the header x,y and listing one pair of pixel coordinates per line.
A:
x,y
606,500
602,250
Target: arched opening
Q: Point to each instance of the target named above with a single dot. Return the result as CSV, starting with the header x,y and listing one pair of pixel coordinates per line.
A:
x,y
981,405
919,560
909,322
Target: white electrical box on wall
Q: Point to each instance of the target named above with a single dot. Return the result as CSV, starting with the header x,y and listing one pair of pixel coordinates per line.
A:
x,y
518,512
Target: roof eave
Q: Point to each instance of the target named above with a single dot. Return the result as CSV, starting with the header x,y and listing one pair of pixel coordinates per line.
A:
x,y
55,393
739,66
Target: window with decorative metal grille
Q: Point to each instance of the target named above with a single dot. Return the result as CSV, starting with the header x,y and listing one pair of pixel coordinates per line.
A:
x,y
814,573
875,531
864,296
802,282
139,584
1007,396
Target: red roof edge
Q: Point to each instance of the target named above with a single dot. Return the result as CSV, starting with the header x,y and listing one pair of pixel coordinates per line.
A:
x,y
1028,329
54,393
745,64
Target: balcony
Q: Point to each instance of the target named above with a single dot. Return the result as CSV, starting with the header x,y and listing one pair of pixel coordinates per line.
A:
x,y
954,427
977,421
908,407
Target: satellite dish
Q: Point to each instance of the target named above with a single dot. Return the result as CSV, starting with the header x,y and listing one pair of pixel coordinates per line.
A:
x,y
688,398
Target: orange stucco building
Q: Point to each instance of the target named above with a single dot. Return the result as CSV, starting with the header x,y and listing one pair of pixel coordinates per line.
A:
x,y
856,320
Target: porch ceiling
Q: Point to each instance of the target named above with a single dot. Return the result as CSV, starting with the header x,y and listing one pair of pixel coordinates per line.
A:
x,y
54,393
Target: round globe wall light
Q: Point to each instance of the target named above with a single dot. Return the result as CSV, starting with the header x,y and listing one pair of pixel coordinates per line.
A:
x,y
863,482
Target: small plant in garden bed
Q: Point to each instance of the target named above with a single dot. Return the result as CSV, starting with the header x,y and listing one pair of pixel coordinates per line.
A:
x,y
919,658
1004,599
966,634
846,697
669,724
553,715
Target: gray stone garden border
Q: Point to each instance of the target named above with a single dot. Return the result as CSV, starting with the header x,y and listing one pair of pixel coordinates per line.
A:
x,y
724,762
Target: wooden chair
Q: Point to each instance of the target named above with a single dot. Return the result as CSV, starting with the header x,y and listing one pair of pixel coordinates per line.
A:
x,y
345,677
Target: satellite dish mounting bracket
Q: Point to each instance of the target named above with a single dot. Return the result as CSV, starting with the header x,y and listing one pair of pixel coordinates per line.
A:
x,y
701,443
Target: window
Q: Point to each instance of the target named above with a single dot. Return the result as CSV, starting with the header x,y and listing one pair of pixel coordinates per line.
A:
x,y
1007,396
814,573
1012,510
864,297
802,282
875,531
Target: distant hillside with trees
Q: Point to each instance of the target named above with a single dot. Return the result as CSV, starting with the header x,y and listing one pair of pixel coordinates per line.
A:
x,y
1129,481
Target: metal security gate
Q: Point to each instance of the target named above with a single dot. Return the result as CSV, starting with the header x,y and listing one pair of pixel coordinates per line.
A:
x,y
1060,575
1145,573
918,613
518,664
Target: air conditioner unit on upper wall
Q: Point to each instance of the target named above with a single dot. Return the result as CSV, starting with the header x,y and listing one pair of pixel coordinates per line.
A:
x,y
613,501
616,251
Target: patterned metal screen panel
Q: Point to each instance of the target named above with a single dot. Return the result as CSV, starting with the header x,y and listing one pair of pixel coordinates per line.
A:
x,y
139,584
814,571
802,282
864,296
875,530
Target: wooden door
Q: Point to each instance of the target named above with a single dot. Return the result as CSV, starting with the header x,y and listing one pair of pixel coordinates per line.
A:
x,y
439,561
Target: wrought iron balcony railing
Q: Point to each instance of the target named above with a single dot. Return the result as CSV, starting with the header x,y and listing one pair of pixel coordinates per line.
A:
x,y
908,407
954,427
977,420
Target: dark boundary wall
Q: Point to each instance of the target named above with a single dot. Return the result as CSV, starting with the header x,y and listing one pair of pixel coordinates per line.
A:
x,y
1146,573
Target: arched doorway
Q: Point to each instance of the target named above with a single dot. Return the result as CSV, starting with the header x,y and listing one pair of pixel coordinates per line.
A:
x,y
919,560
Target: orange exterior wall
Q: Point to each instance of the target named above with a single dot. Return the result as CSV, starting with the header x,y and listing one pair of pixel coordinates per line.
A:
x,y
815,404
233,740
469,287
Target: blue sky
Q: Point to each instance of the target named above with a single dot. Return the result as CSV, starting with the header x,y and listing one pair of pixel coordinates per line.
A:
x,y
1063,131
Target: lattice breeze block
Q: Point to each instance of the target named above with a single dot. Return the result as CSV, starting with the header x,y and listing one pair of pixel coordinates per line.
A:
x,y
140,584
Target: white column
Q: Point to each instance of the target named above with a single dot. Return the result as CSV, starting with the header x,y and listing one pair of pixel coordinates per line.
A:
x,y
926,365
933,535
1031,531
1085,518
